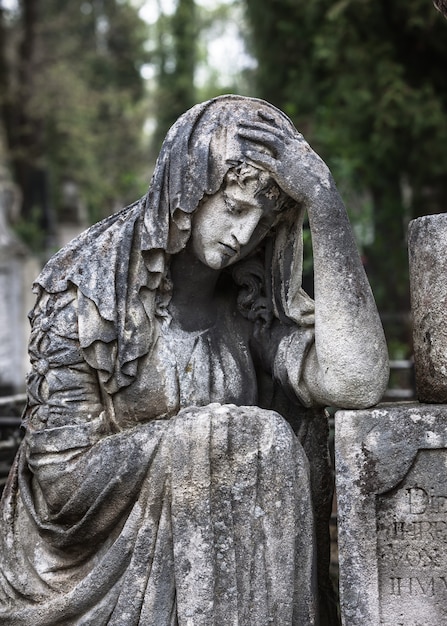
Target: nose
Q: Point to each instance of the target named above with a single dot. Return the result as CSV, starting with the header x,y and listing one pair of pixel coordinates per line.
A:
x,y
244,228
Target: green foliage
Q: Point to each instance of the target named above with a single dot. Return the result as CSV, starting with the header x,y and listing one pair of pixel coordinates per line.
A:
x,y
182,72
29,230
176,57
366,82
75,101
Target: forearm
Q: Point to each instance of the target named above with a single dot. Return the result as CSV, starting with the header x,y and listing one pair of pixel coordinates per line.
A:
x,y
349,364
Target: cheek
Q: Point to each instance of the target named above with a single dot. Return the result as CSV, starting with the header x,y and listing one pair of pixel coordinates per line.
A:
x,y
205,244
199,243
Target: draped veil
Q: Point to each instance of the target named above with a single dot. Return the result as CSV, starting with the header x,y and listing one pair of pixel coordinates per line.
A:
x,y
115,323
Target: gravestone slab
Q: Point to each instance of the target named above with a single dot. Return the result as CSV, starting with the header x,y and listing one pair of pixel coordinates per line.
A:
x,y
392,506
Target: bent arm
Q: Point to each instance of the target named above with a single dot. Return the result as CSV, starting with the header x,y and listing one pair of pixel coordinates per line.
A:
x,y
348,364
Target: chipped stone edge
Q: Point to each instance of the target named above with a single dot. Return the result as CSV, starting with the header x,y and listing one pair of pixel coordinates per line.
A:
x,y
358,482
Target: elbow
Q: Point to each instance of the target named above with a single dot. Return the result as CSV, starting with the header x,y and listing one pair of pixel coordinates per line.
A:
x,y
361,389
349,380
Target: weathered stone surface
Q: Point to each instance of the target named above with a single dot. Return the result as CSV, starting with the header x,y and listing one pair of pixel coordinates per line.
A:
x,y
427,245
391,465
159,481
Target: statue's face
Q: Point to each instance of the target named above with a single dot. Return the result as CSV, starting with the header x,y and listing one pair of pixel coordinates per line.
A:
x,y
229,224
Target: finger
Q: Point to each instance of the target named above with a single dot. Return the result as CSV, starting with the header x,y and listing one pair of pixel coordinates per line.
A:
x,y
268,117
274,127
261,126
260,137
257,134
261,159
273,121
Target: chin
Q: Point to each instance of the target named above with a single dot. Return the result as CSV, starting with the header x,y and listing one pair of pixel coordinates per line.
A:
x,y
218,262
213,263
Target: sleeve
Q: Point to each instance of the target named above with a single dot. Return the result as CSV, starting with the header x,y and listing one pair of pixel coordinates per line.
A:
x,y
62,388
281,350
76,461
289,362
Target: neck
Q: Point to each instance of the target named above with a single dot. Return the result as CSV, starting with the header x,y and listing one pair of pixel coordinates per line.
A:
x,y
193,292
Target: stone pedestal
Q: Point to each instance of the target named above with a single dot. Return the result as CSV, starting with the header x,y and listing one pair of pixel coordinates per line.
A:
x,y
427,245
391,465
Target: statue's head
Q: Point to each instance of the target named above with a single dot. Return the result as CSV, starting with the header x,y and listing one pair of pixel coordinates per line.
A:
x,y
230,223
202,177
201,180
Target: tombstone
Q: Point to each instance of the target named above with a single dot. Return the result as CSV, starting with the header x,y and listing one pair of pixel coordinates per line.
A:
x,y
391,468
427,243
391,465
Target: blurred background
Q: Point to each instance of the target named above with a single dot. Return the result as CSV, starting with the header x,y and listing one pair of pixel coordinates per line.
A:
x,y
88,90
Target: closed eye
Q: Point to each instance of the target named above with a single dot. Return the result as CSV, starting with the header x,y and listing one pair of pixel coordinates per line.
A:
x,y
231,206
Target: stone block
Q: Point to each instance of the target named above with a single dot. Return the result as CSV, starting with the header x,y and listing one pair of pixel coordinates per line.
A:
x,y
427,243
391,466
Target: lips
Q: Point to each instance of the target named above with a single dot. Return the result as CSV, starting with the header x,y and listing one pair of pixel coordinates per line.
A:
x,y
228,250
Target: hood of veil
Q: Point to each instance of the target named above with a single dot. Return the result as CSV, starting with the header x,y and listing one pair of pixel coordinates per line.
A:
x,y
119,264
197,153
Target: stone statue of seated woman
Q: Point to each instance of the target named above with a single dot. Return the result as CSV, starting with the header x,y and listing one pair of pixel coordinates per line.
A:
x,y
174,469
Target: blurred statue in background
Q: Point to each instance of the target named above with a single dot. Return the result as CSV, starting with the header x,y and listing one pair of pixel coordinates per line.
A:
x,y
175,467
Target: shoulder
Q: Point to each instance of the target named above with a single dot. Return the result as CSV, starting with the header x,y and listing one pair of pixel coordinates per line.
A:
x,y
91,249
